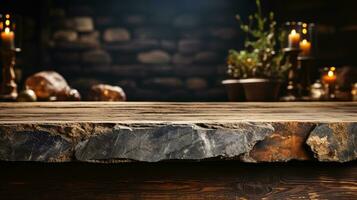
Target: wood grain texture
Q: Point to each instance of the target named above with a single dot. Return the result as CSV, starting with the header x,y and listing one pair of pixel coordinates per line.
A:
x,y
186,181
155,112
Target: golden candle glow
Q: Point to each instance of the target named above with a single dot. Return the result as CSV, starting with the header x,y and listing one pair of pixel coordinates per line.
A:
x,y
305,47
330,77
8,39
294,39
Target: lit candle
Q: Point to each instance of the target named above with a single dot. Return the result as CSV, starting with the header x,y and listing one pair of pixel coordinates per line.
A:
x,y
294,39
305,47
8,39
330,77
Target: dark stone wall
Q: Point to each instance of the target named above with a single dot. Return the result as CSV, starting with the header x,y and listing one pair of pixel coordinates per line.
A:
x,y
162,50
155,50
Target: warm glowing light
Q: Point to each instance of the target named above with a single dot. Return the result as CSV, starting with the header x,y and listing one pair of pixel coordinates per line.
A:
x,y
330,74
304,41
304,25
305,47
304,31
294,39
1,25
7,16
330,77
7,22
7,30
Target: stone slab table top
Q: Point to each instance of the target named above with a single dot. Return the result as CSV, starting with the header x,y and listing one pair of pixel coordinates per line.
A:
x,y
153,132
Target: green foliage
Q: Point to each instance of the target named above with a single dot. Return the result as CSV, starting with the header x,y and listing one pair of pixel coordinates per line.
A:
x,y
259,59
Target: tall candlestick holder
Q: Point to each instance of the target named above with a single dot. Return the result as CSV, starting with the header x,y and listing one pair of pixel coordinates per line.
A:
x,y
330,91
8,90
292,88
305,69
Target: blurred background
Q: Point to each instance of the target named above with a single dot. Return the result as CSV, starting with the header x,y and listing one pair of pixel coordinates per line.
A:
x,y
163,50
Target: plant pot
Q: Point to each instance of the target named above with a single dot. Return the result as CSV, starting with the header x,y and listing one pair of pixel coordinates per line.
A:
x,y
234,89
261,89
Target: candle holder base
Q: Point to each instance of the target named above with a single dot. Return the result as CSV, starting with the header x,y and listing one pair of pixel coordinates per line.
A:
x,y
305,70
8,97
292,88
8,89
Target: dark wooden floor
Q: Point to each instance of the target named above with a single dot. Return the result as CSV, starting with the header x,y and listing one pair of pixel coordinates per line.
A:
x,y
208,180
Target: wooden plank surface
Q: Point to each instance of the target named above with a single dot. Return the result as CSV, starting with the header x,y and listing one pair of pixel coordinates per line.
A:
x,y
155,112
186,181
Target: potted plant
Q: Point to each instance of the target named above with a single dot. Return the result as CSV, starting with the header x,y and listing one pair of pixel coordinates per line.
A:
x,y
259,68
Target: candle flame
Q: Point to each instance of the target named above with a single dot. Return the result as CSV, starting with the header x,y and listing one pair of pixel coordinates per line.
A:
x,y
304,41
7,16
7,30
330,74
293,32
304,31
7,22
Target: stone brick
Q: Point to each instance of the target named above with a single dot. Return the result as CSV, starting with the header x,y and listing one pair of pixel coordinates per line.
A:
x,y
153,33
66,57
83,24
127,84
80,10
207,57
192,34
141,70
180,59
104,21
83,83
116,35
213,94
196,83
123,58
163,82
68,69
135,71
91,38
134,46
193,70
147,94
186,21
75,45
154,57
177,95
218,45
96,69
188,46
65,35
134,19
168,45
96,57
223,33
159,70
222,70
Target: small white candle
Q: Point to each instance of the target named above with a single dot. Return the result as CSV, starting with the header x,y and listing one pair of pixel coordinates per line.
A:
x,y
8,39
305,47
294,39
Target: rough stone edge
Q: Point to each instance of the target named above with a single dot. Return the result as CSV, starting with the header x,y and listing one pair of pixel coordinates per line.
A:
x,y
334,142
76,132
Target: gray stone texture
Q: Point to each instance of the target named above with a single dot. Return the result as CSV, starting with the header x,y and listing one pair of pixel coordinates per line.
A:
x,y
171,142
34,146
